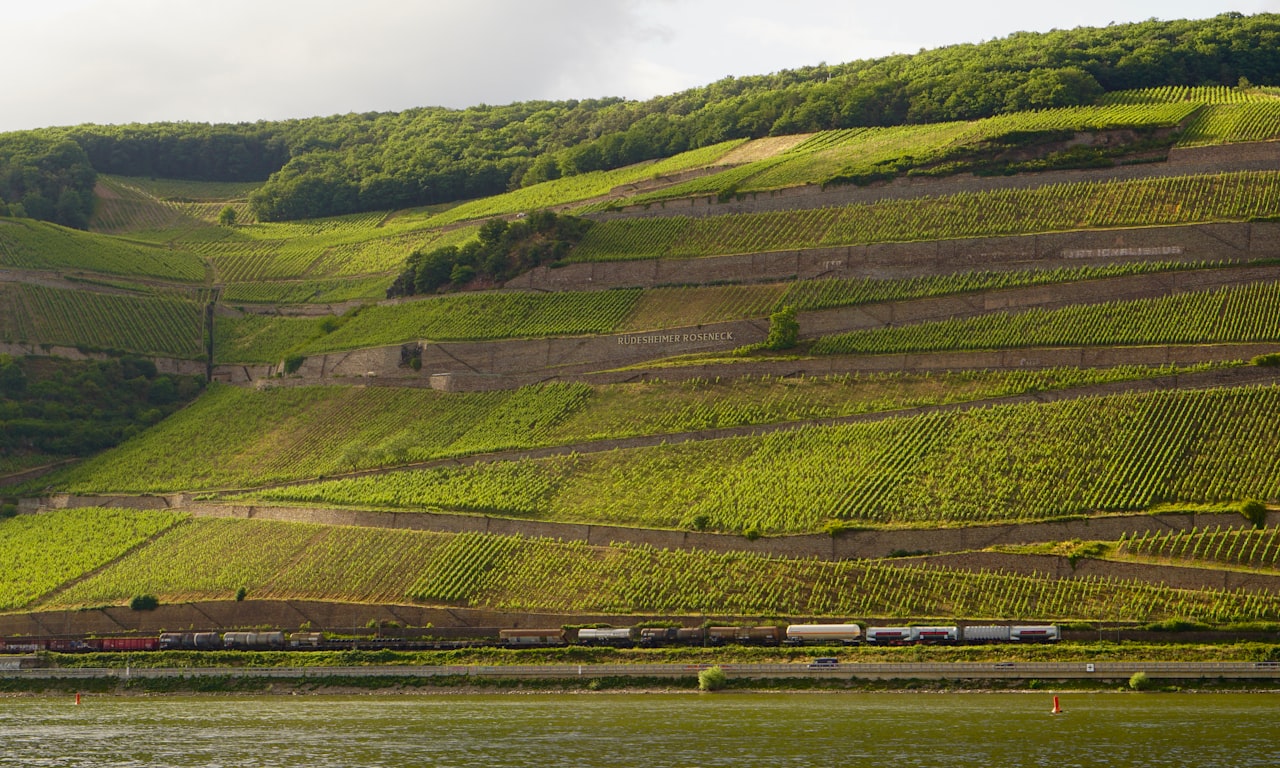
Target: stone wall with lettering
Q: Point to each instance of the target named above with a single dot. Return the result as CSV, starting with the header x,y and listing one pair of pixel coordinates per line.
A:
x,y
516,361
1191,243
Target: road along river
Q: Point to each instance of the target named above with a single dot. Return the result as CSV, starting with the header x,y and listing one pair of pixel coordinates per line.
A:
x,y
1114,670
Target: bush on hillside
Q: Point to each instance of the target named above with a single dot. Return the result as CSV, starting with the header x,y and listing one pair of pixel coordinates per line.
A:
x,y
1255,512
784,329
144,603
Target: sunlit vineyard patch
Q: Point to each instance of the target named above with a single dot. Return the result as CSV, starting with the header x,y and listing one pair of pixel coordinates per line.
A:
x,y
696,305
1054,208
572,189
234,437
1023,462
1230,123
30,244
468,316
359,244
1235,547
165,325
41,552
1249,313
841,292
213,559
1208,94
827,154
306,291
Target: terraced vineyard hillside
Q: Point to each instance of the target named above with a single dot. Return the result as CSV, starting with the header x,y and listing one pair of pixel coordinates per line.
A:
x,y
1037,353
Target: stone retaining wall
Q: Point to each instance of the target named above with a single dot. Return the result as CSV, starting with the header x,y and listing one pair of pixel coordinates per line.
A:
x,y
508,363
1190,243
289,615
844,546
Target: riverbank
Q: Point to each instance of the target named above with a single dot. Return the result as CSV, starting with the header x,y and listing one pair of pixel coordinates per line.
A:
x,y
831,674
438,686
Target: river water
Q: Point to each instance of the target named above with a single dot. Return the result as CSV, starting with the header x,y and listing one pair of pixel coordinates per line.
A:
x,y
633,729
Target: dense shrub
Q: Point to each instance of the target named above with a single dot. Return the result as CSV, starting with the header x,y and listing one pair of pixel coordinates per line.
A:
x,y
1255,512
712,679
784,329
144,603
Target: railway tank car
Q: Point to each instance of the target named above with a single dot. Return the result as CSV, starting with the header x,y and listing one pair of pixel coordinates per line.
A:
x,y
823,634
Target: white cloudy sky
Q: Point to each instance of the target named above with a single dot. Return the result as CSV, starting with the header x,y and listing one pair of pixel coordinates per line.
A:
x,y
119,61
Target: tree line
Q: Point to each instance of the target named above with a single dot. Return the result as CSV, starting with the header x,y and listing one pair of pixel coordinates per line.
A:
x,y
62,408
501,251
45,176
377,161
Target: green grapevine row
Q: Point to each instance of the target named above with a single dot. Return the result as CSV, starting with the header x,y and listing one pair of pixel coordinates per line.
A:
x,y
1023,462
211,559
1247,313
1226,124
1059,207
30,244
157,325
41,552
1229,546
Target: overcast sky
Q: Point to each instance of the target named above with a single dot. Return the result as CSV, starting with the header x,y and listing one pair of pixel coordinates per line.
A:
x,y
121,61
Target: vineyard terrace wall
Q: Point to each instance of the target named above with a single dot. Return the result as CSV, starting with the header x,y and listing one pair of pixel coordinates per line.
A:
x,y
1257,156
461,366
529,359
1030,359
1230,242
464,380
845,545
164,365
289,615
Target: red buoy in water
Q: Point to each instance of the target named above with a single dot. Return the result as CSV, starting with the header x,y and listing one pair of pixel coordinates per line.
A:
x,y
1057,710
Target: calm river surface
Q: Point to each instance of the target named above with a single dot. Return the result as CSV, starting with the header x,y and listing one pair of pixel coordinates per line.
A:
x,y
545,730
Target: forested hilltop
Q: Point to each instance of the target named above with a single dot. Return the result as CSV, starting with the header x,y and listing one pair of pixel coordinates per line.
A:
x,y
377,161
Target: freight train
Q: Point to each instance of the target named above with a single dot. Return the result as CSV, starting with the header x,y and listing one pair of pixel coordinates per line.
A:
x,y
616,637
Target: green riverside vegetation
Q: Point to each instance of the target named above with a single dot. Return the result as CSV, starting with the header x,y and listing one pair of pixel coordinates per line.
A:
x,y
52,409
